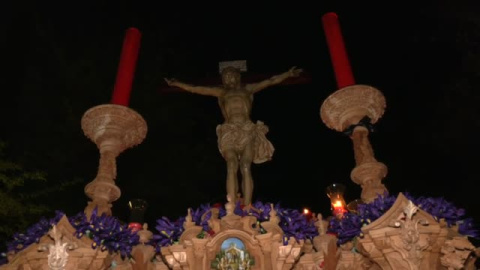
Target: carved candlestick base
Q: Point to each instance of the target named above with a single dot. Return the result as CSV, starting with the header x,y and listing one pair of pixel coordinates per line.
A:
x,y
348,108
113,128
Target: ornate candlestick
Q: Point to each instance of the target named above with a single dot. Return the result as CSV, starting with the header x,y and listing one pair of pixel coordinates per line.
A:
x,y
352,110
113,128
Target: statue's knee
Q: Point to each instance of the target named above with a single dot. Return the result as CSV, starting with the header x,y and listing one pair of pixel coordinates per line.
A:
x,y
232,163
245,166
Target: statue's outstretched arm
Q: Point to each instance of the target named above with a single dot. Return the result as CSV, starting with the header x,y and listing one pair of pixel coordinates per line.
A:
x,y
255,87
202,90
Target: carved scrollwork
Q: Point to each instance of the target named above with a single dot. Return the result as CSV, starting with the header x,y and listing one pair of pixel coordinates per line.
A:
x,y
58,251
455,252
350,104
412,244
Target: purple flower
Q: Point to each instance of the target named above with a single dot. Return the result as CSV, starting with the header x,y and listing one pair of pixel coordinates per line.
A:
x,y
439,208
33,233
468,228
238,209
295,224
259,210
292,222
169,232
199,214
107,232
346,228
350,225
372,211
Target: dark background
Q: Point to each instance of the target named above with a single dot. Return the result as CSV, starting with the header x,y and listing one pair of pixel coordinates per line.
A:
x,y
61,60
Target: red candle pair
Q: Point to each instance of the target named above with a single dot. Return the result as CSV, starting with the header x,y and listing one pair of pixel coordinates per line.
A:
x,y
131,45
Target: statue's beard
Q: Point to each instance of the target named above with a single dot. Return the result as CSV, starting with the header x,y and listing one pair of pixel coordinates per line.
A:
x,y
231,85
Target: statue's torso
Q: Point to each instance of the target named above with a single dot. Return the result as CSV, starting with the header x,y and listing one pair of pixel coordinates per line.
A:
x,y
236,105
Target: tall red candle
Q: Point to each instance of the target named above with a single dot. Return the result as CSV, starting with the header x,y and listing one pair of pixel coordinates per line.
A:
x,y
338,54
126,67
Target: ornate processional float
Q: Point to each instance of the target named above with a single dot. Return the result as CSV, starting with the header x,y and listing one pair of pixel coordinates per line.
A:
x,y
377,231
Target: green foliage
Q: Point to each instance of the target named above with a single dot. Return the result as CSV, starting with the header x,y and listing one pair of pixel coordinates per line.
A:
x,y
21,194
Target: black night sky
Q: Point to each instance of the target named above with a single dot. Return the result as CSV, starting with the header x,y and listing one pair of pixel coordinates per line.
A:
x,y
59,61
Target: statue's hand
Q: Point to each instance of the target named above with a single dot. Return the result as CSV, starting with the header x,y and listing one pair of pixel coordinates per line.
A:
x,y
295,72
170,82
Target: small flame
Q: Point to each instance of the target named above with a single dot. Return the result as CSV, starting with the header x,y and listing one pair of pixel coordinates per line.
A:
x,y
306,211
337,204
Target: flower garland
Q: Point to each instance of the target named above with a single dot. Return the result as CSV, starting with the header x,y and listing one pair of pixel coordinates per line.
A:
x,y
33,233
293,222
349,226
107,233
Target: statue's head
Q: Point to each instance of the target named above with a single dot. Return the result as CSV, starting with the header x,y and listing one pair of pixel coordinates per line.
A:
x,y
231,77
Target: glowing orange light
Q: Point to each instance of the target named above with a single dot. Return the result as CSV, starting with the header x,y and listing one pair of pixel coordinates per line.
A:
x,y
338,204
335,193
306,211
